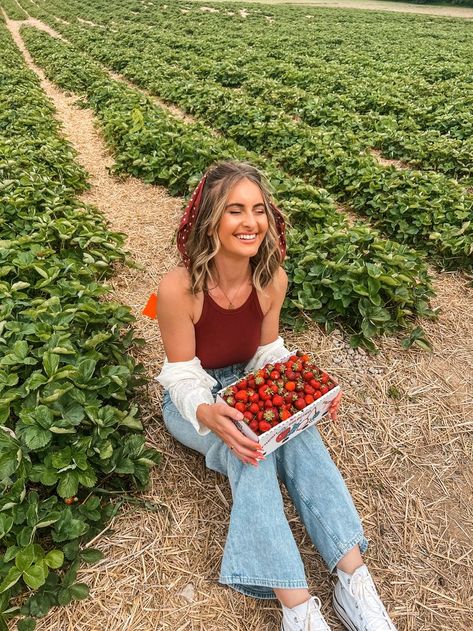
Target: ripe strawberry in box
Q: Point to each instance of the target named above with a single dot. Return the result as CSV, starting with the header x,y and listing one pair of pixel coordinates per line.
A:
x,y
290,395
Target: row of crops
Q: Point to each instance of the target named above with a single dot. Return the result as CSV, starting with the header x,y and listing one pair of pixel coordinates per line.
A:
x,y
66,421
425,209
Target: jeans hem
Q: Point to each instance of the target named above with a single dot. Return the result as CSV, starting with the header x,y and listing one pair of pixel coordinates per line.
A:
x,y
254,587
360,539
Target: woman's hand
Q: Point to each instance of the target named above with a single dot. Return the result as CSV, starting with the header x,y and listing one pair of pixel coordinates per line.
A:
x,y
332,411
218,418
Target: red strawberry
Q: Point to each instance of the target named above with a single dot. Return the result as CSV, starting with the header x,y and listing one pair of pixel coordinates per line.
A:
x,y
309,399
268,404
253,398
284,415
300,404
324,378
315,384
308,375
230,400
254,408
248,415
240,406
264,426
278,400
242,384
242,395
290,386
261,404
308,389
299,386
265,392
317,394
297,366
291,375
253,425
252,383
324,389
260,415
275,375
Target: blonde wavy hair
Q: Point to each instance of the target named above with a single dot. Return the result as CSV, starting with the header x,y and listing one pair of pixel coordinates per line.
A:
x,y
203,242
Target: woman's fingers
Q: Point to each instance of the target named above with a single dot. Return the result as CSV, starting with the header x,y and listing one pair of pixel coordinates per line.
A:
x,y
334,407
243,447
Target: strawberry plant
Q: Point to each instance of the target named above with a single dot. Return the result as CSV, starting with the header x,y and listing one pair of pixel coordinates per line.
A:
x,y
67,424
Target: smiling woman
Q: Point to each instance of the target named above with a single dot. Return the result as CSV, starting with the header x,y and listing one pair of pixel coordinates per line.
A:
x,y
219,319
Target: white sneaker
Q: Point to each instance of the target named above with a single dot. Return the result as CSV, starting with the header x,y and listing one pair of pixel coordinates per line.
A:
x,y
311,621
357,603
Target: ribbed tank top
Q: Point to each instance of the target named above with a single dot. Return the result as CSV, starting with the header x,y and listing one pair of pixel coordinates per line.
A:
x,y
228,336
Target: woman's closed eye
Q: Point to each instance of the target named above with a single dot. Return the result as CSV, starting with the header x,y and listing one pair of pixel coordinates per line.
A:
x,y
256,212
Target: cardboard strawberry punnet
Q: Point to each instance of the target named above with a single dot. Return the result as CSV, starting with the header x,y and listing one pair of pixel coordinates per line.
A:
x,y
281,399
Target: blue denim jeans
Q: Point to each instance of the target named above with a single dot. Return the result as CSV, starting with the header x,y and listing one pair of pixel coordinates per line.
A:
x,y
260,552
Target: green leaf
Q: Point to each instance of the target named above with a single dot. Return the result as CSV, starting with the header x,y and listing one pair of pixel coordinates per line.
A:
x,y
25,558
54,559
6,523
91,555
64,596
69,483
34,576
86,369
27,624
36,438
79,591
50,363
10,579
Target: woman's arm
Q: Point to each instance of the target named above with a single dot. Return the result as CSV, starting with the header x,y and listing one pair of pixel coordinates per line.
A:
x,y
188,384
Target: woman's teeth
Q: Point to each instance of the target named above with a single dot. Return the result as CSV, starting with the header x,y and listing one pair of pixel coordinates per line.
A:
x,y
246,237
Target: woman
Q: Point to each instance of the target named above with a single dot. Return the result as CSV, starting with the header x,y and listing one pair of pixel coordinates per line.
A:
x,y
219,318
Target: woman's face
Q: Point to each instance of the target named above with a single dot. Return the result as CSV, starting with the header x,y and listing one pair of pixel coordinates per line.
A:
x,y
244,222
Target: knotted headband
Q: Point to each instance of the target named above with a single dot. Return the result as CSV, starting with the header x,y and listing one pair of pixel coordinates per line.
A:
x,y
191,213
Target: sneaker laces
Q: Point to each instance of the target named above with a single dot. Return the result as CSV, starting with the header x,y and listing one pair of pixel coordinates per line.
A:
x,y
362,588
314,620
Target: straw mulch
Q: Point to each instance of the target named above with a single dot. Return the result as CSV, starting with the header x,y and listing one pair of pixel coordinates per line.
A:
x,y
403,444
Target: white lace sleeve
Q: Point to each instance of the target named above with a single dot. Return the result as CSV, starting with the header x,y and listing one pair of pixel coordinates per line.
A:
x,y
188,385
267,353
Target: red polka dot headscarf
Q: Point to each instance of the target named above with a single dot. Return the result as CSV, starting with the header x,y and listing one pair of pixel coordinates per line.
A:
x,y
191,212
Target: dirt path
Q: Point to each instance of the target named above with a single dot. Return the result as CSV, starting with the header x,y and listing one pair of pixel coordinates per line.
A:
x,y
379,5
405,450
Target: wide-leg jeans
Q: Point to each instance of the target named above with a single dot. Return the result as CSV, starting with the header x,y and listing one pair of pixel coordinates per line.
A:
x,y
260,551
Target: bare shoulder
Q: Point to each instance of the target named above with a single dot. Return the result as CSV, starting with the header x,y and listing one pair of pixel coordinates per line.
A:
x,y
174,286
279,284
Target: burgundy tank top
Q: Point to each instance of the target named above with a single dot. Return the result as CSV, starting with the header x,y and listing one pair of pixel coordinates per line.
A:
x,y
228,336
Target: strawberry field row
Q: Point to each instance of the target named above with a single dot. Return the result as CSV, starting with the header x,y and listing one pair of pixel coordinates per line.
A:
x,y
408,67
318,103
66,423
13,10
426,210
265,71
337,271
